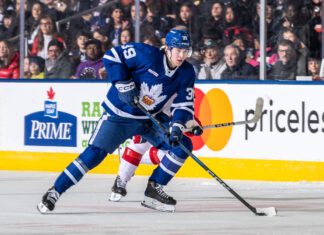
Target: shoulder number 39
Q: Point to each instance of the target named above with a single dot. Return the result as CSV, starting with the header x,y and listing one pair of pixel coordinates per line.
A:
x,y
190,92
128,51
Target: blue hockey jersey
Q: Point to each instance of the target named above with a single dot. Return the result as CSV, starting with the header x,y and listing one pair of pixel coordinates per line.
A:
x,y
160,88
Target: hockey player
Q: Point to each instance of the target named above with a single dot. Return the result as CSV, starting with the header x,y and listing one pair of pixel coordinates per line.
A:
x,y
140,151
137,71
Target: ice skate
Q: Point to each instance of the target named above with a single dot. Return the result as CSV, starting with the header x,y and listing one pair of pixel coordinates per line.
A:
x,y
155,198
48,201
118,190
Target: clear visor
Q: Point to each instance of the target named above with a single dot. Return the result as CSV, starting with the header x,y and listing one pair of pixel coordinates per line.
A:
x,y
182,51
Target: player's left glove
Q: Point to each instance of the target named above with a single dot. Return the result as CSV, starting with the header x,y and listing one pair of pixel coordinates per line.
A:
x,y
127,92
175,132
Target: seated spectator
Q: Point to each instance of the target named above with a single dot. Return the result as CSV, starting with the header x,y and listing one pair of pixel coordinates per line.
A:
x,y
302,50
142,14
93,66
126,36
230,17
8,19
240,42
26,68
271,56
78,52
99,34
295,17
5,6
13,29
36,67
271,23
187,18
155,21
212,64
236,67
313,68
46,33
213,13
151,40
116,24
286,68
9,61
32,22
58,64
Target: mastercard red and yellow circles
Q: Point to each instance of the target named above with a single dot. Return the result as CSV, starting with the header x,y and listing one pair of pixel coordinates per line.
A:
x,y
212,108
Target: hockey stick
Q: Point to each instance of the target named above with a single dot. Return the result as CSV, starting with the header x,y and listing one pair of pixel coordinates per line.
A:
x,y
254,119
257,115
269,211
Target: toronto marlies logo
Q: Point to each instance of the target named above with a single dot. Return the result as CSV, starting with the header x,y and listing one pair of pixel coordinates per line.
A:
x,y
50,127
88,72
150,98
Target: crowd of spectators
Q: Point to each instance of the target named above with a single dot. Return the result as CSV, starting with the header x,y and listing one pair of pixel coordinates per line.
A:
x,y
225,36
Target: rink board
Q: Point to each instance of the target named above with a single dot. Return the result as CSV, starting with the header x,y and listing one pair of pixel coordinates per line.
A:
x,y
43,126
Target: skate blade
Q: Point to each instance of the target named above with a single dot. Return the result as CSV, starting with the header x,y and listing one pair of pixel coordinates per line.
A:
x,y
156,205
42,208
115,197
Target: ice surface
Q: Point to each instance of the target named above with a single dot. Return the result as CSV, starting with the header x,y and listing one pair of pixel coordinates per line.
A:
x,y
204,207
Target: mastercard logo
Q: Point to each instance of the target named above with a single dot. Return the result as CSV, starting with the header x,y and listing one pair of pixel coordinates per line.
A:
x,y
212,108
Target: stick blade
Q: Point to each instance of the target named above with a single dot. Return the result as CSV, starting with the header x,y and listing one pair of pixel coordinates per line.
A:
x,y
258,110
269,211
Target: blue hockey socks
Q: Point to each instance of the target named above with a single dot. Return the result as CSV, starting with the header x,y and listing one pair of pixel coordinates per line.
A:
x,y
89,159
171,163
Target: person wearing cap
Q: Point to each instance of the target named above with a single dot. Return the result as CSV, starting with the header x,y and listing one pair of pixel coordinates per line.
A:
x,y
58,64
160,80
212,64
90,68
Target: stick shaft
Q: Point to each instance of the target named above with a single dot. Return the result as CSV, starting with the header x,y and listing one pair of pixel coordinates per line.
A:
x,y
254,119
196,159
225,124
206,168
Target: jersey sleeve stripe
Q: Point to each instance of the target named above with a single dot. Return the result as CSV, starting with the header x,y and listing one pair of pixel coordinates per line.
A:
x,y
182,104
183,108
114,58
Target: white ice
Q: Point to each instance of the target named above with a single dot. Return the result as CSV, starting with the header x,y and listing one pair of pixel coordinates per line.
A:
x,y
204,207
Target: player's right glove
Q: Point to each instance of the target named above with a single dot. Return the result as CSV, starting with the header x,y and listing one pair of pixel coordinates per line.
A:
x,y
127,92
175,134
195,126
197,131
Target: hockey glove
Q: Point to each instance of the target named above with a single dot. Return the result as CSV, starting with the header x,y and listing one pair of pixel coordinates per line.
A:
x,y
195,126
197,131
175,134
127,92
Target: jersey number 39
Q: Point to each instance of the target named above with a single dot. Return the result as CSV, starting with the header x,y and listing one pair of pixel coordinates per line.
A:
x,y
128,51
